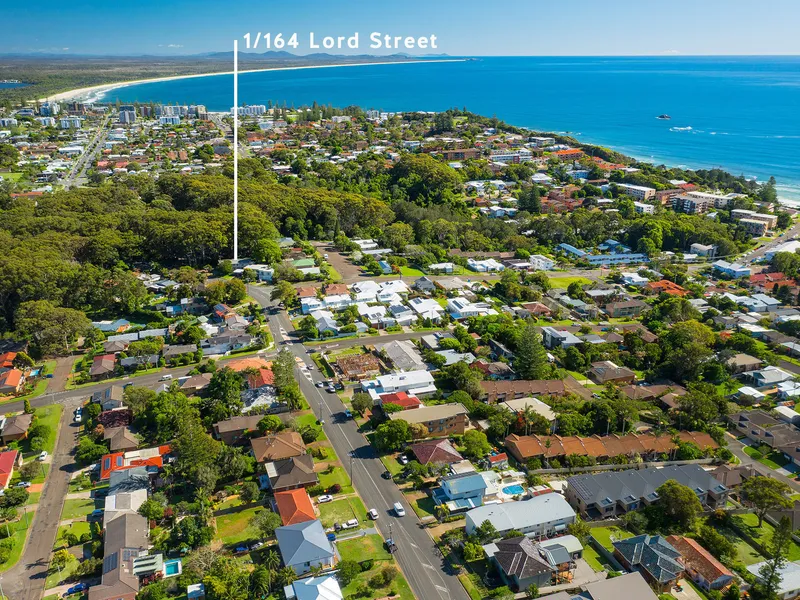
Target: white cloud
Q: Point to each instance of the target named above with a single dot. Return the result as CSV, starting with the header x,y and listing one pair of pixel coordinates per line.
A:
x,y
170,45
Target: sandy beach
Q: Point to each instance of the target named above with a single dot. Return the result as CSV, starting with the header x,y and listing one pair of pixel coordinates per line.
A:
x,y
96,92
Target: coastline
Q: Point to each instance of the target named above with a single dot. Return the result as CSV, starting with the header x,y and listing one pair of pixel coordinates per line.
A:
x,y
96,92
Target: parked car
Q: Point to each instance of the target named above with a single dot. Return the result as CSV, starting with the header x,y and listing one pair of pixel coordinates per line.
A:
x,y
240,549
166,378
331,537
78,587
373,514
320,384
330,389
348,414
387,474
24,484
43,455
78,417
256,546
403,459
399,510
325,498
325,256
351,524
96,514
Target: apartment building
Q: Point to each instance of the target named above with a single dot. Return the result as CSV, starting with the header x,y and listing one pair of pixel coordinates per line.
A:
x,y
441,420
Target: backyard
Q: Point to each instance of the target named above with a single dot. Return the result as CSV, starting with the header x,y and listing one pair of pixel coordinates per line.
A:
x,y
78,509
233,522
338,475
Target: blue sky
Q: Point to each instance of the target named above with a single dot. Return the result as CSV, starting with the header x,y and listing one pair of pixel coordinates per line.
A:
x,y
463,27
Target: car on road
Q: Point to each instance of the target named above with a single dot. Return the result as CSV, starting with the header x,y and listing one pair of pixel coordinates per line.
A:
x,y
23,484
330,389
403,459
325,256
166,378
325,498
78,418
399,510
78,587
348,414
43,455
320,384
387,474
373,514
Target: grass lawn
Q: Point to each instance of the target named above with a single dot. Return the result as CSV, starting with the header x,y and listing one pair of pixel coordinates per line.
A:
x,y
424,507
763,535
340,476
84,484
50,415
391,464
563,282
604,534
75,509
235,527
33,498
310,419
362,548
343,510
322,365
12,176
54,578
18,531
38,389
773,460
593,559
410,272
77,529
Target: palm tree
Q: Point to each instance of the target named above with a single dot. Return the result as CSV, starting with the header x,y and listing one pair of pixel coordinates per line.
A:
x,y
286,576
260,582
442,512
528,415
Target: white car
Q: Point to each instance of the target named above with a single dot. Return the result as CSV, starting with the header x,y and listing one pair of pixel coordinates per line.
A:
x,y
24,484
324,498
403,460
325,256
43,455
373,514
166,378
78,417
399,510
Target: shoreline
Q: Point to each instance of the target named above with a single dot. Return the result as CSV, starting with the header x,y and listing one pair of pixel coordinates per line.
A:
x,y
96,92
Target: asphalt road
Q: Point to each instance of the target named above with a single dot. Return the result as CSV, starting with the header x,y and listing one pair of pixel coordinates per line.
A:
x,y
418,557
790,233
76,177
26,580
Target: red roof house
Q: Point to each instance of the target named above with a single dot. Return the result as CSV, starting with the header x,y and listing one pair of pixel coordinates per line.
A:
x,y
8,460
294,506
401,399
436,451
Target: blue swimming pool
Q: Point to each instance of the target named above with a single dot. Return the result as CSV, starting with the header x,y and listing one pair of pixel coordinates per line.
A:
x,y
514,490
172,567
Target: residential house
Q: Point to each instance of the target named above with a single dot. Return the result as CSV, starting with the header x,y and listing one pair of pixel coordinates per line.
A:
x,y
325,587
281,445
120,439
195,384
294,506
494,371
499,391
9,460
607,494
733,476
653,557
462,491
553,338
733,270
437,452
789,579
540,516
518,406
401,399
522,562
402,354
762,428
305,545
425,285
289,473
625,308
769,376
125,540
12,381
102,366
743,363
237,430
440,420
701,567
15,427
417,383
605,371
665,286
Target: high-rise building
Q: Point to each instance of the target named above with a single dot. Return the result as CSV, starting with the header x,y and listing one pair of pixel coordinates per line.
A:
x,y
127,114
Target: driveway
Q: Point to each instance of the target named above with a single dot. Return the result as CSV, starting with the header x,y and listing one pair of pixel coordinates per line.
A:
x,y
687,592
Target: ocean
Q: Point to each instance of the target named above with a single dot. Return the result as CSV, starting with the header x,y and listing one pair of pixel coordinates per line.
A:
x,y
737,113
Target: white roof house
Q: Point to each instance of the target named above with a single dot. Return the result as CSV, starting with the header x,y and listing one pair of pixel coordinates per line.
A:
x,y
789,585
542,515
519,405
418,382
484,266
426,308
461,308
325,587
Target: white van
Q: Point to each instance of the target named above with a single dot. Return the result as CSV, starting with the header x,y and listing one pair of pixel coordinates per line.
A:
x,y
399,510
166,378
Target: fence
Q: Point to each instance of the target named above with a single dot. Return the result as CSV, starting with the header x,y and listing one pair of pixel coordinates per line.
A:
x,y
642,465
606,554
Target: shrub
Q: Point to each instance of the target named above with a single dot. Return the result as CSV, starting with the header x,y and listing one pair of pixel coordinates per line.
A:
x,y
335,489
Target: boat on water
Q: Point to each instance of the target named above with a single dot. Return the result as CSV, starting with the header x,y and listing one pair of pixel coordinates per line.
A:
x,y
664,117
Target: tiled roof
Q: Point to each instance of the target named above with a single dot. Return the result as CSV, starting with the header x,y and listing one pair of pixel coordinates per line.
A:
x,y
653,554
436,451
294,506
695,557
284,444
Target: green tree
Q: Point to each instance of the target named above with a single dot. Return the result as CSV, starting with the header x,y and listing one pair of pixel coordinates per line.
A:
x,y
50,327
766,494
531,357
476,445
89,451
580,529
361,402
347,570
678,504
265,523
392,435
269,424
769,575
151,509
284,292
249,492
223,399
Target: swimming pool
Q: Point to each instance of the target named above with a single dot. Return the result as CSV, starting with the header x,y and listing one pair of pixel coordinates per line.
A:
x,y
172,567
514,490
